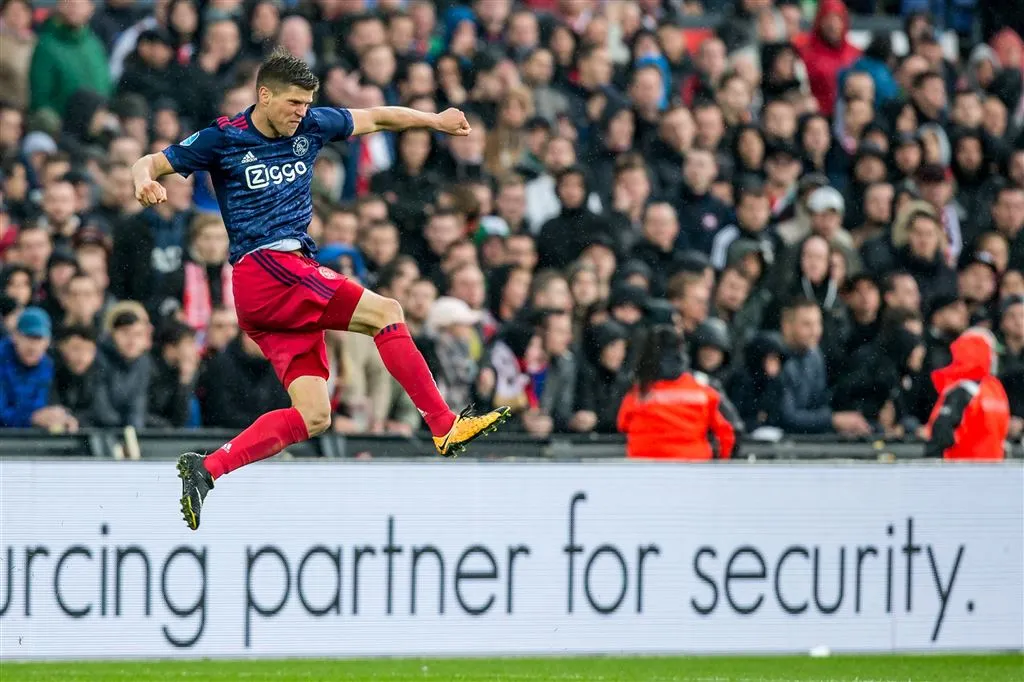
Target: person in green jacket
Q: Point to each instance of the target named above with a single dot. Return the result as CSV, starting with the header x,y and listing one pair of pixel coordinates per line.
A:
x,y
68,57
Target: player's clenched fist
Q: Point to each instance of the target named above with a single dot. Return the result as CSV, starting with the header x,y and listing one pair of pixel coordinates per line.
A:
x,y
453,122
150,193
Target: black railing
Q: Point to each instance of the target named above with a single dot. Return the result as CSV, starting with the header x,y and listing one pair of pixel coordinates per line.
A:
x,y
166,444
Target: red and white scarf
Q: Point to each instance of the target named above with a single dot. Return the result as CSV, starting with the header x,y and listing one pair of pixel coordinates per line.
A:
x,y
196,301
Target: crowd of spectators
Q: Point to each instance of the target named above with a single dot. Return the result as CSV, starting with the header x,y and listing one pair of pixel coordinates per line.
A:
x,y
818,220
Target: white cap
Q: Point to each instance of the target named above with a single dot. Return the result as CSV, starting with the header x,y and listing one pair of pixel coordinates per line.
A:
x,y
449,310
38,141
826,199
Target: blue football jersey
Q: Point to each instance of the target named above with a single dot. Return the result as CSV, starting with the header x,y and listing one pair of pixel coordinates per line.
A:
x,y
262,184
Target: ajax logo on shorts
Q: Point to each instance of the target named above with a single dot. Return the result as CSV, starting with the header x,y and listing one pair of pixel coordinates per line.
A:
x,y
260,176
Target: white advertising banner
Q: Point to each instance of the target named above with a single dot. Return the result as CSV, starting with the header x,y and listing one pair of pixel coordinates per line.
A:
x,y
366,559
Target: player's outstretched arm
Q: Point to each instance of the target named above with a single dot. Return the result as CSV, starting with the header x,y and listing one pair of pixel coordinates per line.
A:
x,y
145,173
395,119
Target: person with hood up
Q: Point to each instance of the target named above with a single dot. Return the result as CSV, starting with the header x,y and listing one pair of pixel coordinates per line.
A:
x,y
756,388
1007,84
88,122
151,70
711,350
971,171
603,378
508,288
813,278
827,52
884,378
614,136
972,416
412,182
564,238
672,413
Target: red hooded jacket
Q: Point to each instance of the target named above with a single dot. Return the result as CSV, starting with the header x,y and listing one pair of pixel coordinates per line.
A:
x,y
972,416
823,60
673,420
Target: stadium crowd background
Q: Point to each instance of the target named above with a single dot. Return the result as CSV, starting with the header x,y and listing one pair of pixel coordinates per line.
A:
x,y
820,221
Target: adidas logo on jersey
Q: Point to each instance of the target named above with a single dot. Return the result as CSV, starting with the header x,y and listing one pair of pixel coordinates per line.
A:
x,y
249,158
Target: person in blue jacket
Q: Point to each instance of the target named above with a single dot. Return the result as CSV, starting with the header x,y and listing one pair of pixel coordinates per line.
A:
x,y
26,374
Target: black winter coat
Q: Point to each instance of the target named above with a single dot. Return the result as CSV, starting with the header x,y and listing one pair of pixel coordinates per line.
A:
x,y
236,388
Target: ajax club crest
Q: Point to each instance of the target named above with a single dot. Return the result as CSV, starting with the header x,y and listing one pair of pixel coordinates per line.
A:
x,y
300,145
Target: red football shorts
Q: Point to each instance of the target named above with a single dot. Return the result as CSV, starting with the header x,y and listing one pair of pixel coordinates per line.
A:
x,y
284,302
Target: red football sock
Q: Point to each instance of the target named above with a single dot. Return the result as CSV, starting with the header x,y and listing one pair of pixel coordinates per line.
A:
x,y
406,364
264,438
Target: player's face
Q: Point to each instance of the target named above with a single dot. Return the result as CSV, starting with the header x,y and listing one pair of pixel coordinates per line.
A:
x,y
286,108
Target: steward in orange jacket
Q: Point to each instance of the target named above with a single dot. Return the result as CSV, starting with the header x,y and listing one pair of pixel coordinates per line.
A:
x,y
972,416
671,412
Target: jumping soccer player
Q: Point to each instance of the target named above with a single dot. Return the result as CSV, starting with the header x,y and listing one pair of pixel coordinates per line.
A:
x,y
261,163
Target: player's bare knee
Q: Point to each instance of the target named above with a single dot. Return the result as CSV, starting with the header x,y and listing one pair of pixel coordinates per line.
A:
x,y
391,312
317,417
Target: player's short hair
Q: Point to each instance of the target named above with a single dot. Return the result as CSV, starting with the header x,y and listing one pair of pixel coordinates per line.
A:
x,y
281,70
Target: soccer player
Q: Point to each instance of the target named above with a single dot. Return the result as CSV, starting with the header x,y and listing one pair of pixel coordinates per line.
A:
x,y
261,162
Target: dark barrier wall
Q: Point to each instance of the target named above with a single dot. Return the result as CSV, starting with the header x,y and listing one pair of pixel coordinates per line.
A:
x,y
165,444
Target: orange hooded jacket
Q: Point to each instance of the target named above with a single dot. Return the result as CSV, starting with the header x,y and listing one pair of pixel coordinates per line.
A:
x,y
673,419
972,416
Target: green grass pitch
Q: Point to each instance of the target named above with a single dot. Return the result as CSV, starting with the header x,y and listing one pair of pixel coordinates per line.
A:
x,y
926,668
